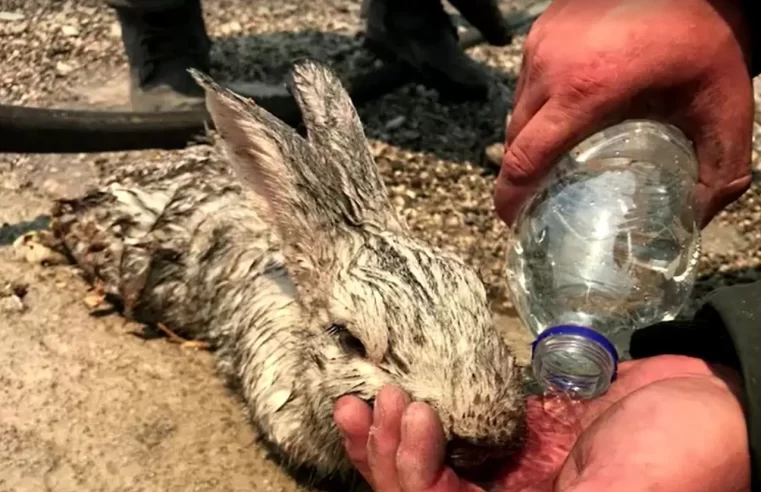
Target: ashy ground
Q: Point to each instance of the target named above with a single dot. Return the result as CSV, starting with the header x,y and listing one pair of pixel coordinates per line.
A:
x,y
85,404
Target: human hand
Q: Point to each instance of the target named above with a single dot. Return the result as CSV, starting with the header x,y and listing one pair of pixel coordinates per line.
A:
x,y
589,64
668,423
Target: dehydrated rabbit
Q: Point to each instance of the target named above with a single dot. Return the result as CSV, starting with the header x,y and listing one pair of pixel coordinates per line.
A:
x,y
304,279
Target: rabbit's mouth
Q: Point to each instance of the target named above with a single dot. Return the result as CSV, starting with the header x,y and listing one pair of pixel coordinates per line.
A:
x,y
477,460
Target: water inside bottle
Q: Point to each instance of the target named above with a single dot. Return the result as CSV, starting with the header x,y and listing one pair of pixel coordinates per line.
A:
x,y
610,245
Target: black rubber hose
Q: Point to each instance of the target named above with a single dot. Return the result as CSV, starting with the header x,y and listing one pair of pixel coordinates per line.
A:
x,y
43,130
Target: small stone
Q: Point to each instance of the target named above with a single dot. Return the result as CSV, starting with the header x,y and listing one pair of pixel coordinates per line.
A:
x,y
18,28
452,221
70,31
115,31
232,27
11,16
63,68
12,304
30,248
395,122
493,154
92,301
42,255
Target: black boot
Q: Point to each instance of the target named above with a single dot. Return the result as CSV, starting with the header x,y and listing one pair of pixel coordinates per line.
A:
x,y
485,16
160,47
420,34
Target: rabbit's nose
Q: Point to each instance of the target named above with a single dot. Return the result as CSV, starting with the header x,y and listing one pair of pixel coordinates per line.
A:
x,y
476,458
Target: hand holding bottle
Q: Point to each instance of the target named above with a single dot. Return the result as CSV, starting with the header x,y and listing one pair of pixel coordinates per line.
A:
x,y
593,63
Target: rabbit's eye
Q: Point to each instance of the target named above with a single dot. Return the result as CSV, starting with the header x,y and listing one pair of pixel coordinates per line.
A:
x,y
349,343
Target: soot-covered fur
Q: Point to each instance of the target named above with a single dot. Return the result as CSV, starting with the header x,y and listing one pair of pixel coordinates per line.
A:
x,y
304,279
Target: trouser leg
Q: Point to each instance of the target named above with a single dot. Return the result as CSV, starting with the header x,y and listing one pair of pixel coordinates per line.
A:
x,y
420,34
146,5
162,39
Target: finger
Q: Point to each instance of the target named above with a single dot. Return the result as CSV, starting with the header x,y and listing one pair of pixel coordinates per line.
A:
x,y
710,200
420,460
531,92
725,171
354,418
723,141
530,96
553,130
385,437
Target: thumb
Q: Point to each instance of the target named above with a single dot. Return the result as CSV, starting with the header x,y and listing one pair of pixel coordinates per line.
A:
x,y
719,122
529,157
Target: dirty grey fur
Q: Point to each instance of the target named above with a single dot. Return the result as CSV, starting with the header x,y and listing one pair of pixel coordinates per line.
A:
x,y
305,281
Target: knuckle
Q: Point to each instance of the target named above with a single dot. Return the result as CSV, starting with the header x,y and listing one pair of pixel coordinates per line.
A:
x,y
585,84
519,167
537,60
532,39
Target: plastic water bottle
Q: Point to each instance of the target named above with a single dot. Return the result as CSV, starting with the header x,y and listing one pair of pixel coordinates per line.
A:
x,y
607,245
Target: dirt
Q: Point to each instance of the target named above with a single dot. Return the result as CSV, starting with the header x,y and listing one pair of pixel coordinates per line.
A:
x,y
85,403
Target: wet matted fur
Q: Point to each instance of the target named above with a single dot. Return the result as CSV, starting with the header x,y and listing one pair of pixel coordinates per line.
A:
x,y
305,281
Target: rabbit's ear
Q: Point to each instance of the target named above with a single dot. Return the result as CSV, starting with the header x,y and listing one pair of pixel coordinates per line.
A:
x,y
263,151
334,128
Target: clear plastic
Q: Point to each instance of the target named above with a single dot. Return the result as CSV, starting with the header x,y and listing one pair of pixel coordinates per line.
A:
x,y
608,244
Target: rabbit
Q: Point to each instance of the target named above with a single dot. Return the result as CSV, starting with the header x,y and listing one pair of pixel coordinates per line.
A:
x,y
304,280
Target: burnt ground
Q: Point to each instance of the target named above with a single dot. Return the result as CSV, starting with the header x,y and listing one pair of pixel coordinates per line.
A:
x,y
85,404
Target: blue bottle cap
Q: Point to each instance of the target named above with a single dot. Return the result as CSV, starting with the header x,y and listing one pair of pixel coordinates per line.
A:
x,y
582,332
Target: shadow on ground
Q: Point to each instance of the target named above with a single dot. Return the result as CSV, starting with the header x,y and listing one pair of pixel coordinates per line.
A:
x,y
10,232
411,117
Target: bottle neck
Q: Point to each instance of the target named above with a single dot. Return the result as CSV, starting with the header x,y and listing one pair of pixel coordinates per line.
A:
x,y
575,361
